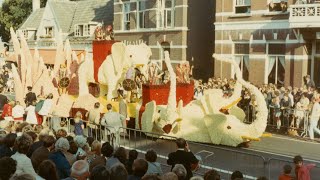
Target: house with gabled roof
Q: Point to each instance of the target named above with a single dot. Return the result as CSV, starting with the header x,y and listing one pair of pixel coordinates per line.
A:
x,y
76,20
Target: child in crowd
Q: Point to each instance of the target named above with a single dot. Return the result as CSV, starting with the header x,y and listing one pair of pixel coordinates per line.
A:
x,y
286,173
133,155
31,114
302,171
78,124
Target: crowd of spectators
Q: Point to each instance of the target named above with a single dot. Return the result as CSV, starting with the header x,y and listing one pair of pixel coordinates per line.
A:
x,y
289,107
31,155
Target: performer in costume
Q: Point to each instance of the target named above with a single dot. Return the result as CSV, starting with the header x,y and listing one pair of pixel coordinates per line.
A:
x,y
109,34
98,33
18,112
154,73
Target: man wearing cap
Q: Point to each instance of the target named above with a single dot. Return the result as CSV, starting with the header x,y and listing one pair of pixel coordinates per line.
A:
x,y
30,96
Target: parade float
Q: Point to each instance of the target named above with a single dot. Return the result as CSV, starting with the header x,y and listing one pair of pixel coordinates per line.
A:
x,y
164,109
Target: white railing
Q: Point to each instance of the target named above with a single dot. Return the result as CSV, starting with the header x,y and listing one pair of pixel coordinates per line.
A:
x,y
304,10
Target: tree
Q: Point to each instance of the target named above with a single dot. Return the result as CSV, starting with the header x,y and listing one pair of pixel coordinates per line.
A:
x,y
12,14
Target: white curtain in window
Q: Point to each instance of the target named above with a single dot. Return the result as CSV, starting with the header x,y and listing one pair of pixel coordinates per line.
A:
x,y
272,61
282,61
238,59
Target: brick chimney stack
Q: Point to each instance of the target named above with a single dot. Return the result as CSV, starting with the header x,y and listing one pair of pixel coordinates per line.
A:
x,y
35,5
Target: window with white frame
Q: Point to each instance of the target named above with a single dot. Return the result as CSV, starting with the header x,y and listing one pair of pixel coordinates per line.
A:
x,y
276,64
141,13
165,14
86,30
126,16
49,31
278,5
82,30
242,6
241,53
25,33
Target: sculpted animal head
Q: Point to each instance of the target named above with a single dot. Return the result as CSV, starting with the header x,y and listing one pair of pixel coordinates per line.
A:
x,y
131,55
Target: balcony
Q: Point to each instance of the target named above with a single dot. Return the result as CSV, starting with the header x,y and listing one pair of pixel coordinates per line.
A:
x,y
305,15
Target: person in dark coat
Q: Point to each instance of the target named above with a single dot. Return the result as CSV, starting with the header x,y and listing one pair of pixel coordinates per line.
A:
x,y
30,96
42,153
3,99
59,159
37,144
6,149
183,156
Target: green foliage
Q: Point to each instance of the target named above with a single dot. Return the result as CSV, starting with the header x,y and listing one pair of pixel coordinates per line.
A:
x,y
12,14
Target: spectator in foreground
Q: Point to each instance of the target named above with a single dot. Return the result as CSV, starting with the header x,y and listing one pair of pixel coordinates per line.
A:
x,y
118,172
170,176
42,153
196,178
24,164
237,175
23,176
211,175
48,171
151,177
80,170
59,159
7,168
119,157
183,156
286,173
153,166
140,168
180,171
262,178
133,155
301,170
6,149
99,172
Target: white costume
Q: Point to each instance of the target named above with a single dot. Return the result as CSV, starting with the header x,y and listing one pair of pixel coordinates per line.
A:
x,y
18,111
113,119
31,115
46,107
314,118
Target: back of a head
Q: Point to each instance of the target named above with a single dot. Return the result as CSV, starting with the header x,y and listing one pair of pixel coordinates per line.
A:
x,y
118,172
211,175
47,170
90,140
133,154
107,149
196,178
80,169
23,143
140,167
100,173
9,139
180,171
62,144
97,105
170,176
287,169
8,167
151,156
150,177
23,176
181,143
121,155
48,141
236,175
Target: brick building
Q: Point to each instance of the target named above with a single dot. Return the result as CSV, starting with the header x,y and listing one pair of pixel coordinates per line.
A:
x,y
273,41
183,27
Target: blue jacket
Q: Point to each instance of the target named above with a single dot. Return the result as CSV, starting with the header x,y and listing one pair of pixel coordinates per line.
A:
x,y
62,164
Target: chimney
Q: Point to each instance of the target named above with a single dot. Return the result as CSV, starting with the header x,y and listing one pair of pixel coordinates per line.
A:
x,y
35,5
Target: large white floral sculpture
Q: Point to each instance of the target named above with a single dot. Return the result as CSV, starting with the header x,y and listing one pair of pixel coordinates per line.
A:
x,y
202,120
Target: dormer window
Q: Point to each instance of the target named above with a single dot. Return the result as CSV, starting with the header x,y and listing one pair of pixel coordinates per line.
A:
x,y
242,6
49,31
25,33
278,5
82,30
